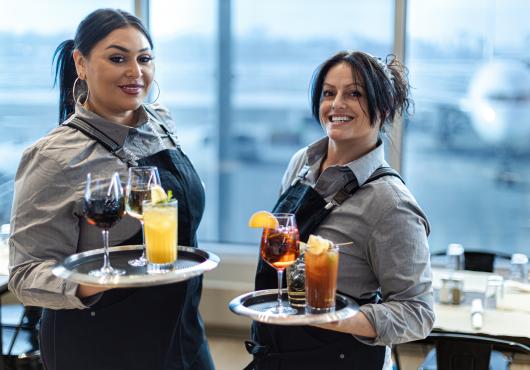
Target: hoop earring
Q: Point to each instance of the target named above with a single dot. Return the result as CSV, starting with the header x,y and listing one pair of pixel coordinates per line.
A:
x,y
78,98
158,92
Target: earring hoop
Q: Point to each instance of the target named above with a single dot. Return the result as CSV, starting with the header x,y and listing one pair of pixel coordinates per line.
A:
x,y
158,92
77,100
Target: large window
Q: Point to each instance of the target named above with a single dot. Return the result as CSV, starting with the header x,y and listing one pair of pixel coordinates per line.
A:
x,y
235,75
277,46
269,51
184,33
467,156
29,33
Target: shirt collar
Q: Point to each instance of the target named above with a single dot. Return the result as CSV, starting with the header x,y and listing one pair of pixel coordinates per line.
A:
x,y
366,165
362,167
115,131
316,151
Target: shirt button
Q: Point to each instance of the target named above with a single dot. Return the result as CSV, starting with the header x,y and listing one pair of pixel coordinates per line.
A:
x,y
92,313
341,356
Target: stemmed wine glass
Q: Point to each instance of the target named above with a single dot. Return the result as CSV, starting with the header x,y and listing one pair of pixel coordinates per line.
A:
x,y
139,184
280,248
104,206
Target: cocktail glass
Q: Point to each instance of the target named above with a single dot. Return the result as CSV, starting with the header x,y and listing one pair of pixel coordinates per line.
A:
x,y
280,248
321,271
139,184
160,222
103,207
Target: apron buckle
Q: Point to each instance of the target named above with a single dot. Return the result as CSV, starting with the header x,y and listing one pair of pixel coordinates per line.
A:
x,y
330,204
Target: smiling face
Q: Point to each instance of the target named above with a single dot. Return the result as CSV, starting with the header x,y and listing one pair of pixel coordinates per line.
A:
x,y
344,110
119,71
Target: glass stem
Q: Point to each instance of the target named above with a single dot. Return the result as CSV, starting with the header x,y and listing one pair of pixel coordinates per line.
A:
x,y
106,260
143,239
280,279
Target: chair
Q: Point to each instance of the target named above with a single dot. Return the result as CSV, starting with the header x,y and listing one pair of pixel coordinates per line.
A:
x,y
479,260
29,320
470,352
25,333
482,261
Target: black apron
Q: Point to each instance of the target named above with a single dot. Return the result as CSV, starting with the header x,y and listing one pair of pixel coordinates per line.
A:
x,y
277,347
154,328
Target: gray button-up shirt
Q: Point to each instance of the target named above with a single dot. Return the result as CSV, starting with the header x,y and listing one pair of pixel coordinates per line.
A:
x,y
47,222
389,253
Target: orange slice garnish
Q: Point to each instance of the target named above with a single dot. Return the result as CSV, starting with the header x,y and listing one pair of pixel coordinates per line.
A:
x,y
264,220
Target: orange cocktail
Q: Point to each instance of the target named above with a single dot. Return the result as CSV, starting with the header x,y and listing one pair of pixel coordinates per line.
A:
x,y
279,248
160,235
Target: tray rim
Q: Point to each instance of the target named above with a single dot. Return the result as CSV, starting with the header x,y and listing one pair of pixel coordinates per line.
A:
x,y
136,280
237,306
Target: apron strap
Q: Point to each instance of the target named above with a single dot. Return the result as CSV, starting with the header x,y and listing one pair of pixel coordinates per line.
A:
x,y
351,187
384,171
301,174
159,121
347,191
102,138
375,299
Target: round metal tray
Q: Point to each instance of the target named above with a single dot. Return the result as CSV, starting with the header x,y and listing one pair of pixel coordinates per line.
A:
x,y
255,305
190,262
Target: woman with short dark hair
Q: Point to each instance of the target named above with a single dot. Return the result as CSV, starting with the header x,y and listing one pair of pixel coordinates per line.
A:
x,y
342,189
105,74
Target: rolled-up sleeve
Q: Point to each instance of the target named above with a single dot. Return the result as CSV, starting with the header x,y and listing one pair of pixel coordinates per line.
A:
x,y
398,252
44,229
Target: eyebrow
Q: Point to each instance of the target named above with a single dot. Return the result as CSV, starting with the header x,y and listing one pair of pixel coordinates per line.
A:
x,y
352,84
125,50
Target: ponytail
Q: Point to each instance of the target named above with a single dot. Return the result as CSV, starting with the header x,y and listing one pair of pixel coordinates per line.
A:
x,y
66,74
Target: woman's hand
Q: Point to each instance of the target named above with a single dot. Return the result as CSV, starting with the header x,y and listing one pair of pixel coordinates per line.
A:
x,y
356,325
84,291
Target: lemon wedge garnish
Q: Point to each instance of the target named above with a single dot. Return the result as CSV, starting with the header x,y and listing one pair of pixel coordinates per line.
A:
x,y
157,194
263,219
317,244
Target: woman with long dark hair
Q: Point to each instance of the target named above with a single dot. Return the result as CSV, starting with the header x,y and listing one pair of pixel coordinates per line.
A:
x,y
105,74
